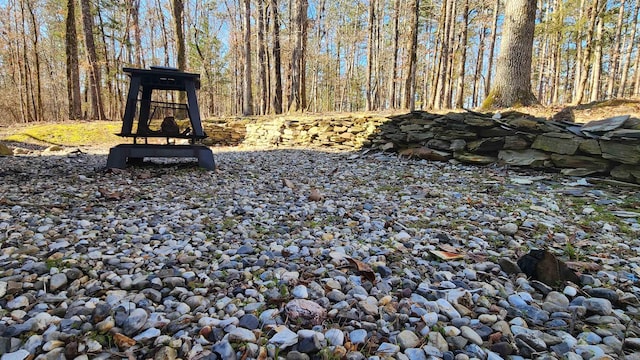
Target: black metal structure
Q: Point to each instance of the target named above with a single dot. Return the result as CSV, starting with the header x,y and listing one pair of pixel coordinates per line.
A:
x,y
143,83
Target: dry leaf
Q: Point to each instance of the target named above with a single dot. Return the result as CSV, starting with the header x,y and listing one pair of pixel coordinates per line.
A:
x,y
446,255
582,266
111,195
315,195
449,248
144,175
288,183
262,355
123,341
364,269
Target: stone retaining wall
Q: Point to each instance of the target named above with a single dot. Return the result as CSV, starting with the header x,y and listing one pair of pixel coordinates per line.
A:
x,y
605,147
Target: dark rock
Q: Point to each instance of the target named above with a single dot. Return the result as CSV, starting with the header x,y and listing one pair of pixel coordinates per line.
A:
x,y
544,266
509,266
249,321
604,293
503,349
487,145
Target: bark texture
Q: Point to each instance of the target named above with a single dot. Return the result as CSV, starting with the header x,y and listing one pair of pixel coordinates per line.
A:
x,y
512,86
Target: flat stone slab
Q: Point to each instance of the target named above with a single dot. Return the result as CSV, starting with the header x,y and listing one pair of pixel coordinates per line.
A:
x,y
605,125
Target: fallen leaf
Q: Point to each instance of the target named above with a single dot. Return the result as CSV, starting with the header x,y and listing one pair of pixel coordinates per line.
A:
x,y
446,255
123,341
315,195
262,355
449,248
582,266
144,175
111,195
288,183
364,269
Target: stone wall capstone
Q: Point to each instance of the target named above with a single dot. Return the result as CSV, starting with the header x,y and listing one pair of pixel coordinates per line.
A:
x,y
608,147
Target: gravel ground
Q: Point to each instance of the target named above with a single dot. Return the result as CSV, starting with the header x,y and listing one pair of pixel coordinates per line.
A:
x,y
304,254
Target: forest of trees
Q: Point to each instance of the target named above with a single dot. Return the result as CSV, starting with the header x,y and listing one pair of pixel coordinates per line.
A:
x,y
63,59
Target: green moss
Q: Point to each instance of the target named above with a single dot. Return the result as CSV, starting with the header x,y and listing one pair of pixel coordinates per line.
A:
x,y
68,134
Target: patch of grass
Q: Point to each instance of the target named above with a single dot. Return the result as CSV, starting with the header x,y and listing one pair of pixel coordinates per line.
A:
x,y
68,134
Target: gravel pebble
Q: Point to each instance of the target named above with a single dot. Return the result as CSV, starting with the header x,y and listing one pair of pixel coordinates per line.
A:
x,y
194,264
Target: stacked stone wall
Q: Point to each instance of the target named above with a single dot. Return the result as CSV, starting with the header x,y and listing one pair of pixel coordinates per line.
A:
x,y
606,147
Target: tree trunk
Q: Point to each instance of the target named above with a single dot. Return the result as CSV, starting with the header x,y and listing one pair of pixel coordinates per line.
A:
x,y
296,92
597,63
410,84
370,46
393,103
277,62
178,15
512,85
247,98
137,34
262,59
492,48
463,56
73,72
628,51
478,69
614,64
39,111
95,89
585,61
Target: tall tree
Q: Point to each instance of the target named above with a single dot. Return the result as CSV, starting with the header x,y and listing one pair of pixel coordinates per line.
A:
x,y
582,72
629,50
410,83
95,87
370,54
393,102
178,15
277,62
297,94
73,71
492,48
463,56
247,98
262,58
513,72
614,65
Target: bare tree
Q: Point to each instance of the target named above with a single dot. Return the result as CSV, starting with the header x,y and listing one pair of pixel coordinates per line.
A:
x,y
73,71
277,62
247,98
410,83
262,58
95,88
297,91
